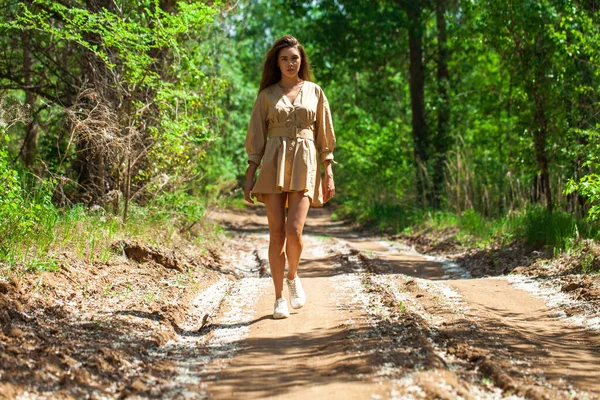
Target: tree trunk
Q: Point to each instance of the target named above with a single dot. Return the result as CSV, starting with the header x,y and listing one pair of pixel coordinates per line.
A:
x,y
541,133
414,11
541,185
540,137
441,143
90,164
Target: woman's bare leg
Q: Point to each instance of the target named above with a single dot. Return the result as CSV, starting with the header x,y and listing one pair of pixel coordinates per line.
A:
x,y
298,206
275,204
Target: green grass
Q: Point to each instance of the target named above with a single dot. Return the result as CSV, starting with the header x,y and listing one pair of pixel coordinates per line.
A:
x,y
384,217
87,234
323,238
150,296
558,229
534,226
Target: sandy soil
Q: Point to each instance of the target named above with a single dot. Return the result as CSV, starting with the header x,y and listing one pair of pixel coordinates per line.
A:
x,y
381,322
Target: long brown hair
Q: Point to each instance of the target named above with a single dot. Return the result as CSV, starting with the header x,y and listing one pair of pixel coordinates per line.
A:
x,y
271,72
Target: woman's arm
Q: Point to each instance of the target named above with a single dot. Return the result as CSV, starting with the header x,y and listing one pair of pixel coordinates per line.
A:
x,y
250,171
325,142
328,184
256,140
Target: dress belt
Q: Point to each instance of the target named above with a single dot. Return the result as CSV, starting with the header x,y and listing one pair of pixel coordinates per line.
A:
x,y
292,132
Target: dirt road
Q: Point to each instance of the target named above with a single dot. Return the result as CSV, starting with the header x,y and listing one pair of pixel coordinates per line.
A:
x,y
384,322
381,322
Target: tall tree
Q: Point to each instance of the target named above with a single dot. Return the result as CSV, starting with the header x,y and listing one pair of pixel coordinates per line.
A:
x,y
416,29
129,80
532,53
441,141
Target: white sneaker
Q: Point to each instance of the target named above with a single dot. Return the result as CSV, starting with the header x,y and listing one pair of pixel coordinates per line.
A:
x,y
297,295
281,309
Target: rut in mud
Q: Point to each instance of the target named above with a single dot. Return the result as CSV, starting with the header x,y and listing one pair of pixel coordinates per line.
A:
x,y
381,321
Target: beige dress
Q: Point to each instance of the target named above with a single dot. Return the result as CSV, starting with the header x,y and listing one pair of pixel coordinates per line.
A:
x,y
290,140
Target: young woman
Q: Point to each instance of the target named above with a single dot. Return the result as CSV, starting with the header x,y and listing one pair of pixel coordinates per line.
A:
x,y
290,131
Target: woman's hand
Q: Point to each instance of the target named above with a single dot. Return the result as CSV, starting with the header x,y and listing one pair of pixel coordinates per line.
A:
x,y
250,171
328,184
248,188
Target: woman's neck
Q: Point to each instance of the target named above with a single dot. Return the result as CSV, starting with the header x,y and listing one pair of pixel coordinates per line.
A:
x,y
288,82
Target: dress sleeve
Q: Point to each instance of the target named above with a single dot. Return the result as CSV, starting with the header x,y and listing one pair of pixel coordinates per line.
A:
x,y
256,137
325,135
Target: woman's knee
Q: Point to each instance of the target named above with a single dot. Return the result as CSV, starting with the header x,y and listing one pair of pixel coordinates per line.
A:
x,y
277,238
293,233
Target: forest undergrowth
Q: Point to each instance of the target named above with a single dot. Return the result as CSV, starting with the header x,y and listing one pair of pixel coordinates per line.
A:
x,y
34,233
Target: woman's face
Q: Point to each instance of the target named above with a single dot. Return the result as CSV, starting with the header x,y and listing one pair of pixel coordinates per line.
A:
x,y
289,61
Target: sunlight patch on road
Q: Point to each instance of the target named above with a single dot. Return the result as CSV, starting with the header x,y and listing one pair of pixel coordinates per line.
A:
x,y
557,301
451,269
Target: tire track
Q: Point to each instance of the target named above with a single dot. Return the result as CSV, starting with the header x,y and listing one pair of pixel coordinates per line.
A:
x,y
462,339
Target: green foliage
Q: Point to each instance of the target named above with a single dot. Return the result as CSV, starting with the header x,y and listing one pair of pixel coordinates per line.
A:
x,y
27,215
148,105
178,206
540,228
374,169
177,82
588,185
128,35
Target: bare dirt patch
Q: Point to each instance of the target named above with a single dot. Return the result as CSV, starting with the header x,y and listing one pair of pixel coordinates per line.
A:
x,y
495,334
89,328
575,273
